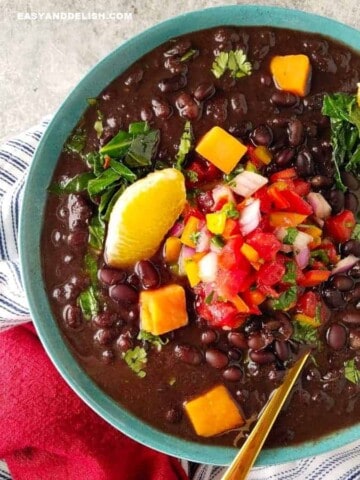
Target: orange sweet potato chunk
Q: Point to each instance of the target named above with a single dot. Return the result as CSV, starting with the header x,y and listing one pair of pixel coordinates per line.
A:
x,y
221,149
292,73
213,412
163,310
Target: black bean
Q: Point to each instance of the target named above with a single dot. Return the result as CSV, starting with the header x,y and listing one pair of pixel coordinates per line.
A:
x,y
238,103
232,374
65,292
284,99
336,336
305,164
320,181
187,106
179,48
252,325
78,238
188,354
284,157
353,295
351,316
217,108
342,282
355,270
216,358
124,342
79,211
161,108
111,276
131,315
336,200
146,114
351,247
204,91
350,180
104,336
205,202
265,80
295,132
262,356
149,276
135,76
333,298
262,135
123,294
173,415
172,84
282,350
175,65
209,336
72,316
108,356
354,339
257,341
237,339
234,354
104,319
351,202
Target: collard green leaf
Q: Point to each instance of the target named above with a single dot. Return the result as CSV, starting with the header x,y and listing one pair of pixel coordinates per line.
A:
x,y
142,149
91,267
123,171
102,182
95,161
136,128
88,303
96,233
118,146
77,141
77,184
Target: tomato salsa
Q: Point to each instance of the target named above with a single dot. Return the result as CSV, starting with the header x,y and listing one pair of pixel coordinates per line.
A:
x,y
262,258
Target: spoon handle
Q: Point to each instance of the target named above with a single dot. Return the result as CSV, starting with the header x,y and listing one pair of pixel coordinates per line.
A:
x,y
245,459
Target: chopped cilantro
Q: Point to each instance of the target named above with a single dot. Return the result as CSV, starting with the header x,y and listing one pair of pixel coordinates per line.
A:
x,y
217,241
356,232
291,234
185,145
321,255
192,176
290,273
229,178
230,210
187,55
352,373
194,237
286,299
305,333
136,359
209,298
235,61
92,101
155,340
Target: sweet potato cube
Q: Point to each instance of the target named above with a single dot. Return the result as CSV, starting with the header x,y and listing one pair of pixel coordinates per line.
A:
x,y
221,149
163,310
292,73
213,412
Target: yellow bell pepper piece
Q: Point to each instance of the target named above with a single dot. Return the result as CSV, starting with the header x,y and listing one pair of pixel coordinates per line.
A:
x,y
192,272
215,222
263,154
172,247
300,317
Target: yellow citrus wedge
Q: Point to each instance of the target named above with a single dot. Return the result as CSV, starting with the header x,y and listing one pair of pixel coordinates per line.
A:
x,y
142,216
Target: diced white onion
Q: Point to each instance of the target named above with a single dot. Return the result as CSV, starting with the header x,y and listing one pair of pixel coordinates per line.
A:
x,y
345,264
221,193
203,243
302,240
185,253
320,206
250,216
208,267
247,183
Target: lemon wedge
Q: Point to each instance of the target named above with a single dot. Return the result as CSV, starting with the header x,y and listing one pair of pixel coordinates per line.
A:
x,y
142,216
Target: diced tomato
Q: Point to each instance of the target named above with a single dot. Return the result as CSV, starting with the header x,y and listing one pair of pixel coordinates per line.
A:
x,y
283,174
330,250
340,226
268,291
220,314
296,203
191,211
265,200
266,244
252,156
201,171
278,198
286,219
271,273
231,256
233,281
301,187
314,278
232,227
311,305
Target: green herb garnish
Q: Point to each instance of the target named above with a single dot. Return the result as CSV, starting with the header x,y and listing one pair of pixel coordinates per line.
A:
x,y
136,359
209,298
290,273
98,125
187,55
77,184
234,61
155,340
285,300
321,255
344,114
356,232
305,333
185,145
96,233
91,268
352,373
231,211
217,241
291,234
88,303
76,142
194,237
192,176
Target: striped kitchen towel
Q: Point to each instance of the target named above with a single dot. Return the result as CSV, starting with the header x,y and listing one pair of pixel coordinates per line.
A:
x,y
15,159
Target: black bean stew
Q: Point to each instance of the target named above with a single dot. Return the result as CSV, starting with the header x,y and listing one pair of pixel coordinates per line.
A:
x,y
168,100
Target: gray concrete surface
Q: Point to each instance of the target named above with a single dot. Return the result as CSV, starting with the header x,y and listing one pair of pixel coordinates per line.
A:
x,y
41,60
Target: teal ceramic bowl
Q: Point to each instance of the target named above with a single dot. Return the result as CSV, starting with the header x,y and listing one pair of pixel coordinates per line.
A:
x,y
34,203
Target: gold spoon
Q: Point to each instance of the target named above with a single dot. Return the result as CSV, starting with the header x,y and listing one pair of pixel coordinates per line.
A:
x,y
245,459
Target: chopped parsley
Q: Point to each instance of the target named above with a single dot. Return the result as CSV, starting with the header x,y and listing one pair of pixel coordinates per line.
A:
x,y
235,61
352,373
185,145
285,300
155,340
136,359
291,234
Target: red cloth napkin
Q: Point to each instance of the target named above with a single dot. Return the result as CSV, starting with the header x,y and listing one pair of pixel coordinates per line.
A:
x,y
48,433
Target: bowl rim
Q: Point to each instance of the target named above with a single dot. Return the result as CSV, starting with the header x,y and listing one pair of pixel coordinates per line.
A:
x,y
30,225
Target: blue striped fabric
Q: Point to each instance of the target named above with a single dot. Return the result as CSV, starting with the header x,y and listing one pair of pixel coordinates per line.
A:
x,y
15,158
